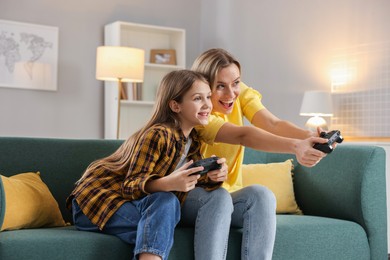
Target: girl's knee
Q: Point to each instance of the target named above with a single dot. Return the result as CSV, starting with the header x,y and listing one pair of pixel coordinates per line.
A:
x,y
166,201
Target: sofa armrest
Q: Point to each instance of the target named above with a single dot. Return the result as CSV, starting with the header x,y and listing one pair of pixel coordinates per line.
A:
x,y
2,203
348,184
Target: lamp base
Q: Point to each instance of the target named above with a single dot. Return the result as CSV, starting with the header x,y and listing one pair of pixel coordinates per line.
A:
x,y
314,122
120,87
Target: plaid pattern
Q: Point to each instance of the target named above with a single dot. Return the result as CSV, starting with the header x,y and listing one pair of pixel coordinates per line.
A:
x,y
158,152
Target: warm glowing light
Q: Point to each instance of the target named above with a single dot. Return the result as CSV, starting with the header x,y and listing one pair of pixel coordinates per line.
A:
x,y
316,121
342,74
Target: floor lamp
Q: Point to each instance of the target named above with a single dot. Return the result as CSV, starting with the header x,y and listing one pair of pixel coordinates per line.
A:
x,y
121,64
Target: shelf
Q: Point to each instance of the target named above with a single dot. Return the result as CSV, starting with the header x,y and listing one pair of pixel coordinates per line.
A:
x,y
137,103
162,66
135,113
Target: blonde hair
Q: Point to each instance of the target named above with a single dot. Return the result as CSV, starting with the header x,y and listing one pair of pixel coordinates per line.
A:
x,y
212,61
172,87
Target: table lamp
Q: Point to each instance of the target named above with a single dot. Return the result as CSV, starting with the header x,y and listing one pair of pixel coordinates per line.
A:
x,y
316,104
121,64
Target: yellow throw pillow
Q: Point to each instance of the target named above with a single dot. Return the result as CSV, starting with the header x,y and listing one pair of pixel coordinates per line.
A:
x,y
29,203
278,178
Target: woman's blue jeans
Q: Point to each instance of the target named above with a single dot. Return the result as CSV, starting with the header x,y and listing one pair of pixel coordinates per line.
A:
x,y
255,213
212,213
148,223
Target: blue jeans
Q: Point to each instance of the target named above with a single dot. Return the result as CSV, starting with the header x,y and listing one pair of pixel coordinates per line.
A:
x,y
212,213
148,223
255,212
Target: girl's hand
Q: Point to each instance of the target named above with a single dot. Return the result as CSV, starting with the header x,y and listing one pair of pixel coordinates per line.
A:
x,y
306,154
182,180
221,174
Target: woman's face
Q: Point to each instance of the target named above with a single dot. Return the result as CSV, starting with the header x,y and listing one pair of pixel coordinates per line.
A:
x,y
226,89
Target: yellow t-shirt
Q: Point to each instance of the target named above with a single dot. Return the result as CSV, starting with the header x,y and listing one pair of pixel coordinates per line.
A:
x,y
248,103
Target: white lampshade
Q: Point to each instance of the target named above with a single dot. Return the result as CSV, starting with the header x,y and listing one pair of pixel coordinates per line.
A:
x,y
120,63
316,103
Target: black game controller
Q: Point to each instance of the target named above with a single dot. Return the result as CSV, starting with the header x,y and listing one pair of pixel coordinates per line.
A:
x,y
209,164
332,136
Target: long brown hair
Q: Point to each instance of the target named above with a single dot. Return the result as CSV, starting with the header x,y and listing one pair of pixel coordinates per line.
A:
x,y
210,62
172,87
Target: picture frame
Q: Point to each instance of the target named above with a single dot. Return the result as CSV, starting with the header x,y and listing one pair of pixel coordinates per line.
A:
x,y
30,58
163,56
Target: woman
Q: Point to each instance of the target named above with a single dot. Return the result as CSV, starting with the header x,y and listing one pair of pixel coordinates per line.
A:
x,y
136,193
226,136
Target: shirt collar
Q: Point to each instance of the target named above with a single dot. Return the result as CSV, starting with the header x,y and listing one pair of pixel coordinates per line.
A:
x,y
179,135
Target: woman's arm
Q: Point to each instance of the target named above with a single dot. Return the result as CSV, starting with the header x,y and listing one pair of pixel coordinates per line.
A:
x,y
261,117
264,119
259,139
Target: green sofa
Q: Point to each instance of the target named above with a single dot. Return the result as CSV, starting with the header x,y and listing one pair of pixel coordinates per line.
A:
x,y
343,199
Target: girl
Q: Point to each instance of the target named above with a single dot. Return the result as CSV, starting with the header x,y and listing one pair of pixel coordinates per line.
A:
x,y
225,135
135,193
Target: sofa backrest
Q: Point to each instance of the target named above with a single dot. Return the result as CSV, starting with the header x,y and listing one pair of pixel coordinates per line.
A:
x,y
255,156
61,162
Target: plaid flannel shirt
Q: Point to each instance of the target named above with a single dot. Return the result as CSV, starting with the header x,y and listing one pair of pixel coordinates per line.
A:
x,y
156,155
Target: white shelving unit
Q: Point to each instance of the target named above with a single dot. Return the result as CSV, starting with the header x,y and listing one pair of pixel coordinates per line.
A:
x,y
135,113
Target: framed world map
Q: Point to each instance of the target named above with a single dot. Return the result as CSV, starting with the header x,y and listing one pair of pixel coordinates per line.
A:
x,y
28,56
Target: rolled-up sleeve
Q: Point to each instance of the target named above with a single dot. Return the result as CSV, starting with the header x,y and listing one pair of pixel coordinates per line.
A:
x,y
250,100
207,133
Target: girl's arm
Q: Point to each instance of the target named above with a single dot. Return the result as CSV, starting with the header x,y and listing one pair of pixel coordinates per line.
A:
x,y
179,180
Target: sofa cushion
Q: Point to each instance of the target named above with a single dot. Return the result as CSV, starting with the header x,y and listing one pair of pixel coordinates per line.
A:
x,y
278,178
183,248
297,237
28,203
311,237
61,243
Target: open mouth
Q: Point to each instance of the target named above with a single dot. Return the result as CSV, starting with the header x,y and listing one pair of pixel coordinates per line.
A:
x,y
203,114
226,105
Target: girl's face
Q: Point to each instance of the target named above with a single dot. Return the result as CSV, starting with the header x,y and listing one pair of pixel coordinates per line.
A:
x,y
195,107
226,89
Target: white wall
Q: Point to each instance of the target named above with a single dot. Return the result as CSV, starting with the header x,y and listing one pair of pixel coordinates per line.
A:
x,y
75,110
286,47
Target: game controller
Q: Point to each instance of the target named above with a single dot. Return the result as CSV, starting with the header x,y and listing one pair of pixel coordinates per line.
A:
x,y
332,136
209,164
